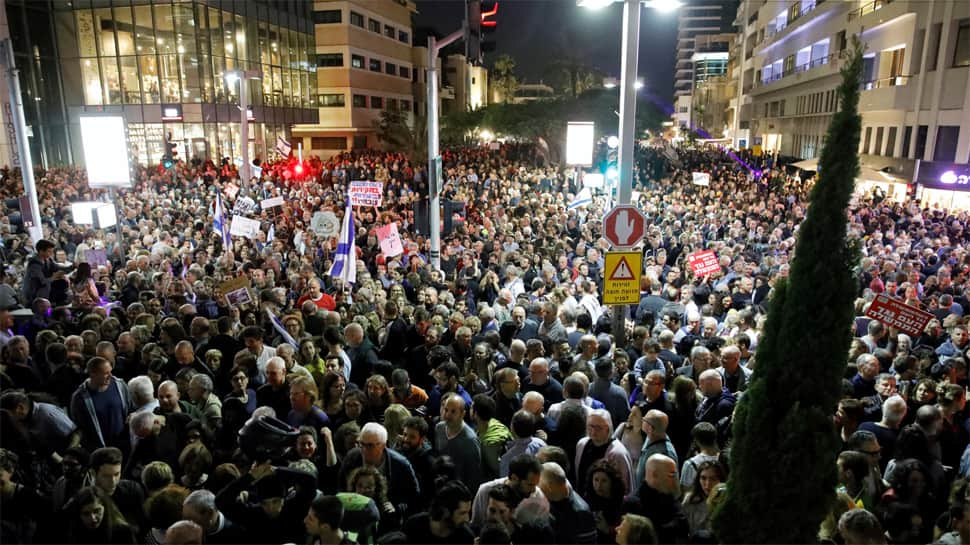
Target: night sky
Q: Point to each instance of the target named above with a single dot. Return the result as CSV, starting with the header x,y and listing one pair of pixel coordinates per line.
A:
x,y
536,32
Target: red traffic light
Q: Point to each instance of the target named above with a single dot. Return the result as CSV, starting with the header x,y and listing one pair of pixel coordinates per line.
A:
x,y
298,169
486,22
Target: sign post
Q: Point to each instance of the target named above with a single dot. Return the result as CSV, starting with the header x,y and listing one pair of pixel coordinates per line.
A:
x,y
624,227
621,278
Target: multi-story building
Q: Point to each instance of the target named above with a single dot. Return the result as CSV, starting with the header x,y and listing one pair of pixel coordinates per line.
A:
x,y
914,103
364,66
467,83
694,19
163,64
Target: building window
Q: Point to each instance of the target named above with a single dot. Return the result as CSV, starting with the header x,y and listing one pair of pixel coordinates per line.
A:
x,y
867,140
946,143
403,37
961,53
392,104
374,26
937,31
877,150
840,40
375,65
327,17
376,102
328,142
332,100
390,68
389,31
921,132
891,142
404,71
356,19
360,101
330,59
907,139
357,61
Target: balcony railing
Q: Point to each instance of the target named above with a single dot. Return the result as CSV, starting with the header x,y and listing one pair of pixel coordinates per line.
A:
x,y
821,61
891,81
771,30
866,9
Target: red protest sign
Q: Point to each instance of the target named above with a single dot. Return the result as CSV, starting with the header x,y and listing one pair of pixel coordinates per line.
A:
x,y
895,313
703,263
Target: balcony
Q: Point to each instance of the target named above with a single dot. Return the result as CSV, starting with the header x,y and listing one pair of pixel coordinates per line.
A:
x,y
813,66
795,20
866,9
891,93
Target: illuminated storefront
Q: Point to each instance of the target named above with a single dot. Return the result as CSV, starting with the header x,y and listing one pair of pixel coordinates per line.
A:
x,y
163,65
946,185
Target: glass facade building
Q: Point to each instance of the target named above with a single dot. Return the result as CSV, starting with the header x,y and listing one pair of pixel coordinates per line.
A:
x,y
163,64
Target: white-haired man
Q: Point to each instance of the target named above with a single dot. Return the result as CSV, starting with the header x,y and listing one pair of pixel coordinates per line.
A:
x,y
200,508
590,449
372,451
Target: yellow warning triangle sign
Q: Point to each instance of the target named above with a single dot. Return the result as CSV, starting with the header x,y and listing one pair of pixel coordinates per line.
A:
x,y
622,271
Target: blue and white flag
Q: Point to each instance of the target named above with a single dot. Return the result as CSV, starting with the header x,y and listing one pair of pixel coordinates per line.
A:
x,y
278,326
345,261
283,147
584,198
219,223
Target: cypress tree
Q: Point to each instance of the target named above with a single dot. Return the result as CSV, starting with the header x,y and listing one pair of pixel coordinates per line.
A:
x,y
783,470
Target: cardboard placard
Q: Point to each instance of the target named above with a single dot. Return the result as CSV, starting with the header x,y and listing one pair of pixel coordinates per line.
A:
x,y
236,291
390,240
897,314
242,226
366,193
703,263
271,202
325,224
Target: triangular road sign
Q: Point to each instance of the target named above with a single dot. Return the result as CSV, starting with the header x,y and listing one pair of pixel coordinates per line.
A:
x,y
622,271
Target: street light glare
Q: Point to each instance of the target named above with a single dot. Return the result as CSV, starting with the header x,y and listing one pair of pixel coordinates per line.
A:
x,y
664,6
232,77
638,84
594,4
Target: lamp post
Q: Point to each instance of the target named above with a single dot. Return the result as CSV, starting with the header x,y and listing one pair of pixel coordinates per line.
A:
x,y
241,76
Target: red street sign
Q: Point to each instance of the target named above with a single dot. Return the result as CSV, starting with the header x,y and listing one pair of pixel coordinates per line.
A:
x,y
897,314
623,226
703,263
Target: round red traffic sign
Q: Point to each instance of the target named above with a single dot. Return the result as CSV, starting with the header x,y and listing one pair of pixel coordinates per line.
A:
x,y
624,226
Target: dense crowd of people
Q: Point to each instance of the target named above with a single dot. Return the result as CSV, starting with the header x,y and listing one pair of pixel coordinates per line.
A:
x,y
486,401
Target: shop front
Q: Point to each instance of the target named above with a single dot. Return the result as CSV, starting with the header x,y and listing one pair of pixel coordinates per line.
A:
x,y
944,185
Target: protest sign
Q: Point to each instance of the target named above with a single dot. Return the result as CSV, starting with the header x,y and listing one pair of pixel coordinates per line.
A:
x,y
96,257
325,224
244,227
231,190
390,240
701,178
703,263
236,291
897,314
271,202
366,193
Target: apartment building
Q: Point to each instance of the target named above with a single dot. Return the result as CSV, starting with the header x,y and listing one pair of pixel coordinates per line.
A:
x,y
914,100
364,65
697,18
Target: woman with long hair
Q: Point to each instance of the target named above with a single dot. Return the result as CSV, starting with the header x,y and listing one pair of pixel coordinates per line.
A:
x,y
631,434
394,417
332,388
709,475
95,520
604,494
378,397
682,419
369,481
84,292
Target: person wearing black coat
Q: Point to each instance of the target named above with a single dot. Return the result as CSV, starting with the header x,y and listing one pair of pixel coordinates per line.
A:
x,y
656,499
396,341
402,483
276,516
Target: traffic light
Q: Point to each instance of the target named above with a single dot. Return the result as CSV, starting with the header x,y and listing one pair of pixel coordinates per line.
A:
x,y
479,21
171,152
298,170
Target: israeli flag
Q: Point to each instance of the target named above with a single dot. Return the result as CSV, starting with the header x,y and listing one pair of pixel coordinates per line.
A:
x,y
283,147
345,261
584,198
219,223
278,326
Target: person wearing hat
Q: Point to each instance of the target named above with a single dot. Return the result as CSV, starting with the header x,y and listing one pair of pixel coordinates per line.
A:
x,y
270,512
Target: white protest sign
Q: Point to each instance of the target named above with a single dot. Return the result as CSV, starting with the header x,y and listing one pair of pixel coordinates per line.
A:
x,y
271,202
244,227
390,240
701,178
231,190
325,224
366,193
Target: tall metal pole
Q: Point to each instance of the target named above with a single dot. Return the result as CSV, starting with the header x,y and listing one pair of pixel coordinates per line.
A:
x,y
434,176
118,216
628,97
20,127
245,169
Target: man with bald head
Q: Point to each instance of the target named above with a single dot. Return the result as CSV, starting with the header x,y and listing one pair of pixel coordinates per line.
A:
x,y
887,429
657,500
314,294
276,392
573,521
184,532
540,381
736,377
654,425
452,436
185,358
717,407
361,351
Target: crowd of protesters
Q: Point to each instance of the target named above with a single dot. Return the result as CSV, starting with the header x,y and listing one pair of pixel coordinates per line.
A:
x,y
484,402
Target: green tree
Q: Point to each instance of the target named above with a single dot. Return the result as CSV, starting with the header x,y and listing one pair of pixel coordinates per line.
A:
x,y
503,78
396,133
572,77
783,470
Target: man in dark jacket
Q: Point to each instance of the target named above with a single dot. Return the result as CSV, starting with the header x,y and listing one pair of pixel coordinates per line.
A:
x,y
574,521
39,273
415,447
372,450
277,515
395,343
362,353
656,500
718,404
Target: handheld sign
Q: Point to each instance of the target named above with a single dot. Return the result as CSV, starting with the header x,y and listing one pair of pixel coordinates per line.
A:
x,y
897,314
390,240
703,263
366,193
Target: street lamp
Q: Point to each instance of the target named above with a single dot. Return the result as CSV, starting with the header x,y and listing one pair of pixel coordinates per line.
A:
x,y
231,78
628,83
